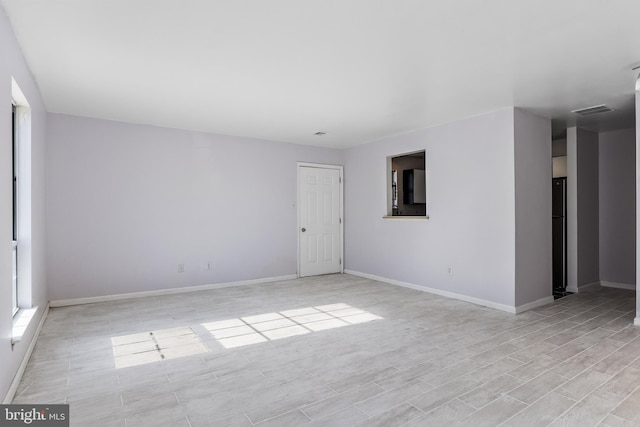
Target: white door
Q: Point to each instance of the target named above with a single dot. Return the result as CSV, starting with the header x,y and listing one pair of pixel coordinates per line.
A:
x,y
319,208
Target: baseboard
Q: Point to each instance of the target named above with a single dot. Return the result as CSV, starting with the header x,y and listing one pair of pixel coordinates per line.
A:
x,y
13,388
637,320
131,295
628,286
477,301
577,290
534,304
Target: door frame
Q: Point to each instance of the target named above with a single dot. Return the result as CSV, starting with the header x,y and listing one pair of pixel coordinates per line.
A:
x,y
299,166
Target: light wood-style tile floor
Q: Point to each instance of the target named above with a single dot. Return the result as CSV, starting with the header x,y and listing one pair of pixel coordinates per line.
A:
x,y
339,351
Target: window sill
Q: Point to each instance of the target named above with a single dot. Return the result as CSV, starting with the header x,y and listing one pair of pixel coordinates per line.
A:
x,y
21,322
406,217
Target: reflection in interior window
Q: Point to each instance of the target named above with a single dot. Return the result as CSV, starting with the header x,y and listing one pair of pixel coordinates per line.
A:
x,y
408,185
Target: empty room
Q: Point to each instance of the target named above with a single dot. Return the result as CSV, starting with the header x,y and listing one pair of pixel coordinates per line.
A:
x,y
336,213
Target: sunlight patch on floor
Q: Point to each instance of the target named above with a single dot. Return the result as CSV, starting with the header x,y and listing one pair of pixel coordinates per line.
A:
x,y
248,330
154,346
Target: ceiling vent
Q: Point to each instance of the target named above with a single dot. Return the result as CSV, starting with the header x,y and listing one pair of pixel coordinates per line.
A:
x,y
590,111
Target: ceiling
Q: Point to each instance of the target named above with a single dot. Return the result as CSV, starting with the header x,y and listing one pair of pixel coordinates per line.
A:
x,y
359,70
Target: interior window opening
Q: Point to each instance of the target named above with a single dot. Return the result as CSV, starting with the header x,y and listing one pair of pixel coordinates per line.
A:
x,y
408,195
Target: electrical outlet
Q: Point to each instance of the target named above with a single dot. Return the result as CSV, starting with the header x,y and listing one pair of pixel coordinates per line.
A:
x,y
180,268
209,266
450,271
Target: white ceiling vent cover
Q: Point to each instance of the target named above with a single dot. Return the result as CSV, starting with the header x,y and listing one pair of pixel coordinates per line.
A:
x,y
596,109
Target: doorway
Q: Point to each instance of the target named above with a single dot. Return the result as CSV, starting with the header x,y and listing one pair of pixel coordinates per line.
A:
x,y
559,218
559,236
320,224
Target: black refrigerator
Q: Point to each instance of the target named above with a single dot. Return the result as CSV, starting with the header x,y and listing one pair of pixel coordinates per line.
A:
x,y
559,220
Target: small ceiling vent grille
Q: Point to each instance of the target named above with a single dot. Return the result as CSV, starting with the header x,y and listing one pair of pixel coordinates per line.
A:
x,y
596,109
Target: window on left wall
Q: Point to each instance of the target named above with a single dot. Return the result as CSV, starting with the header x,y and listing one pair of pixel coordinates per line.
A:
x,y
22,293
21,282
14,168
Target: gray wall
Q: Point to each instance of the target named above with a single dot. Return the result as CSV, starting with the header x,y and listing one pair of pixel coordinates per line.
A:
x,y
532,207
128,203
559,147
470,199
617,216
583,206
588,208
13,64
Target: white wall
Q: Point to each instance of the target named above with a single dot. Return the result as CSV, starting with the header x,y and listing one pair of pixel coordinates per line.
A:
x,y
533,173
617,198
637,319
572,209
559,154
470,199
12,64
559,166
128,203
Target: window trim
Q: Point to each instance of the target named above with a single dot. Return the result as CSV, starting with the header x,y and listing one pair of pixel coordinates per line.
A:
x,y
15,150
390,189
23,217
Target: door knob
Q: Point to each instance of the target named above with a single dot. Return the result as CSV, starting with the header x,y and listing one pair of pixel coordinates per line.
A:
x,y
303,229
